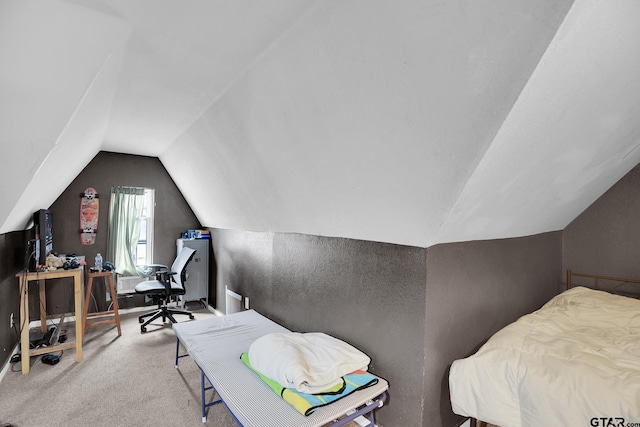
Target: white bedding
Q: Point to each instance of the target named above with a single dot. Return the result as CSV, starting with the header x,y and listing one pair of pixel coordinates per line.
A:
x,y
310,362
575,359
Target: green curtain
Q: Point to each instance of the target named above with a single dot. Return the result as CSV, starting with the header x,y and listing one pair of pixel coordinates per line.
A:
x,y
125,210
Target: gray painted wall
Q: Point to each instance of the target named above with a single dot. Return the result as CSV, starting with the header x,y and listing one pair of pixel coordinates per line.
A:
x,y
605,238
369,294
413,310
12,260
172,216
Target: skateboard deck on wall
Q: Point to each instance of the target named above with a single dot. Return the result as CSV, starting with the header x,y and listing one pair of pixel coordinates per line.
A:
x,y
89,210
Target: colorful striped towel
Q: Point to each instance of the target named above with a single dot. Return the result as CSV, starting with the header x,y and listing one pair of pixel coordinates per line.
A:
x,y
307,403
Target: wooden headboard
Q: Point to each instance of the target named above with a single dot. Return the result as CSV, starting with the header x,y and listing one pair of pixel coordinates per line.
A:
x,y
614,285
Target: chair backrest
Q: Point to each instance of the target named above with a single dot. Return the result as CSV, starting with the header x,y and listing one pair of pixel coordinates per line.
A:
x,y
180,265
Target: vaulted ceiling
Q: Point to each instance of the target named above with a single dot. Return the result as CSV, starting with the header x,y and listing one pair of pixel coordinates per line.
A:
x,y
413,122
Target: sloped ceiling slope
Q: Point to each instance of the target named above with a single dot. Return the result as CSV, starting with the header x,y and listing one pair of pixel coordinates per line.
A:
x,y
406,122
366,120
572,134
59,68
80,76
422,122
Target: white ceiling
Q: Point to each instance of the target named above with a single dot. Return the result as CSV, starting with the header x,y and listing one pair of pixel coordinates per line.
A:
x,y
415,122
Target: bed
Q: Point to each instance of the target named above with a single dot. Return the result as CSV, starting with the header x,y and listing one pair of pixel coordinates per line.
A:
x,y
216,345
573,362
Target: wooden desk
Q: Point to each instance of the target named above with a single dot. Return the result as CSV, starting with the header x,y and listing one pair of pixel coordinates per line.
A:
x,y
108,275
25,278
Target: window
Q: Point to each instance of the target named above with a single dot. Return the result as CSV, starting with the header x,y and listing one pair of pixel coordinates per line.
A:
x,y
130,232
144,248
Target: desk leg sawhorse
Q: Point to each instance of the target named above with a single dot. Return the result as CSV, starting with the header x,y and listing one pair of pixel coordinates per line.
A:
x,y
41,277
116,319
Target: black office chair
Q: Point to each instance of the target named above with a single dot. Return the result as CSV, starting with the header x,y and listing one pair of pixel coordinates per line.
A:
x,y
168,283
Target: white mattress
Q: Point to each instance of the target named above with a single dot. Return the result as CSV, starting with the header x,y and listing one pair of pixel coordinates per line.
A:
x,y
575,359
216,344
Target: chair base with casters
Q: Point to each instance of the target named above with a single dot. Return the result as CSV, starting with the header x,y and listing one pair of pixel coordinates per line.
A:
x,y
167,283
162,311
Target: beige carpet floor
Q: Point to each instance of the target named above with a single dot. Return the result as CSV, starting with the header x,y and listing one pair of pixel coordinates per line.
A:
x,y
121,381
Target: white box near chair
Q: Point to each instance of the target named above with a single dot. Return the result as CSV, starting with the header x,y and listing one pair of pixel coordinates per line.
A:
x,y
233,302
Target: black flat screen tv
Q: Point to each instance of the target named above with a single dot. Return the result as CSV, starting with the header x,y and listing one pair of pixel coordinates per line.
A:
x,y
42,238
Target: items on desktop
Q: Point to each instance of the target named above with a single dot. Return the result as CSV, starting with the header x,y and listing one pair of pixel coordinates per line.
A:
x,y
196,234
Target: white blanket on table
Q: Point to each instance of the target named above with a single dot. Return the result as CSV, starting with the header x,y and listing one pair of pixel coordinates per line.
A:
x,y
310,362
574,360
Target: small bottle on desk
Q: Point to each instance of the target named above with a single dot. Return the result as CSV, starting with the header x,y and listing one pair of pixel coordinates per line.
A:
x,y
98,265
